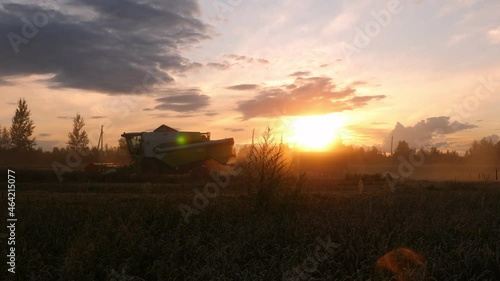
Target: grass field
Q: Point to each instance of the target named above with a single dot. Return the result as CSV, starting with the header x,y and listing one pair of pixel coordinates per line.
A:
x,y
137,232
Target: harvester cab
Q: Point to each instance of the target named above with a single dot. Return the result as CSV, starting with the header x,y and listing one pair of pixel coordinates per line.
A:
x,y
166,150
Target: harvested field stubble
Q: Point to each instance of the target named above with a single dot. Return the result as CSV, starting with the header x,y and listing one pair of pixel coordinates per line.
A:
x,y
107,236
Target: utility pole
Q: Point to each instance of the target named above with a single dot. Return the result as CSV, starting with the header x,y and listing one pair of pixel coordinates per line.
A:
x,y
100,143
392,141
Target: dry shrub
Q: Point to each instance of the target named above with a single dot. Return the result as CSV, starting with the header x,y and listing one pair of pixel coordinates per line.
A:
x,y
270,174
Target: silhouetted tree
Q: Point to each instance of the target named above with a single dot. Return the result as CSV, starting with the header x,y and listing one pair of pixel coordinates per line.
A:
x,y
122,149
481,151
78,138
22,128
270,171
497,148
403,149
5,142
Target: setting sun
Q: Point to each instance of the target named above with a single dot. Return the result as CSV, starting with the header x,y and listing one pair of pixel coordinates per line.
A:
x,y
316,132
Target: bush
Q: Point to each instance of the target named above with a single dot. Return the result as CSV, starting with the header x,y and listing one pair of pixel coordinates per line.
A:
x,y
270,175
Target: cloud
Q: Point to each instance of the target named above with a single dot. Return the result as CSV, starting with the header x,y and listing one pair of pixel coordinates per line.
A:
x,y
306,96
64,117
494,35
231,60
221,66
239,58
44,135
211,113
182,100
422,133
97,117
122,45
300,73
493,138
234,130
243,87
5,83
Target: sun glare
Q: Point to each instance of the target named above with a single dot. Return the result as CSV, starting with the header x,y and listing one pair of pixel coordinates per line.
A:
x,y
316,132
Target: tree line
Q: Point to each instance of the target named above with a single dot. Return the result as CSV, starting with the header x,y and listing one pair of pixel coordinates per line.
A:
x,y
18,146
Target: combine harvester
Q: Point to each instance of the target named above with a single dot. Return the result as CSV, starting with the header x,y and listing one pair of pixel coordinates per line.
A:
x,y
168,151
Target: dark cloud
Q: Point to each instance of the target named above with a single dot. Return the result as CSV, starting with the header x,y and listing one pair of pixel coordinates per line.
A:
x,y
234,129
300,73
211,113
44,135
243,87
422,133
126,44
306,96
97,117
64,117
324,65
182,100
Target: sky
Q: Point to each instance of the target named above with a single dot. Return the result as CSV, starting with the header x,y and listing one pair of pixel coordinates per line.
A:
x,y
423,71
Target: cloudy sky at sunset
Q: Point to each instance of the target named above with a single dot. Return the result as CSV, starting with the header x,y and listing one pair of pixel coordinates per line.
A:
x,y
421,70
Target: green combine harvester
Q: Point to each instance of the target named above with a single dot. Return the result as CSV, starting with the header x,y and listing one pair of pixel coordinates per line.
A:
x,y
166,150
